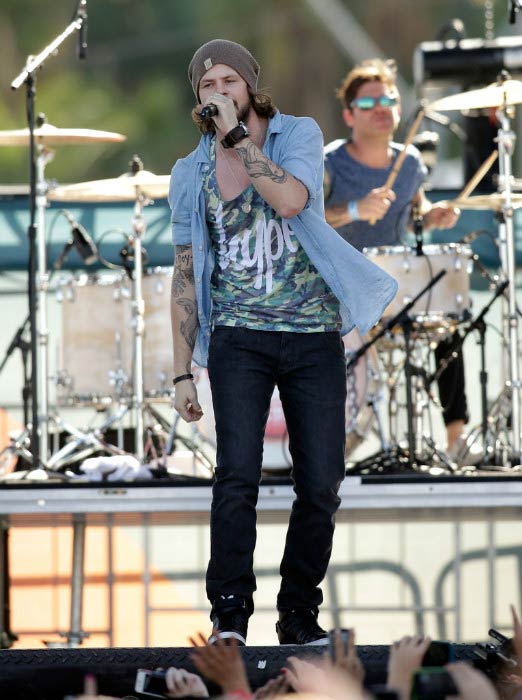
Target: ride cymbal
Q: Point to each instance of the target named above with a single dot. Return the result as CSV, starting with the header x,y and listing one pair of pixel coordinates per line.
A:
x,y
126,188
49,135
495,95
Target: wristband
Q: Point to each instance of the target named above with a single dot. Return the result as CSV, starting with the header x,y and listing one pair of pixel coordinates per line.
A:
x,y
181,378
353,210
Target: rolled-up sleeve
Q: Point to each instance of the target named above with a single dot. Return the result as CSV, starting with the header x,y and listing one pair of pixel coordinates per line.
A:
x,y
303,156
179,205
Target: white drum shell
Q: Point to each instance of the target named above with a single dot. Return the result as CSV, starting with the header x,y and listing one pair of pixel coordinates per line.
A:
x,y
448,299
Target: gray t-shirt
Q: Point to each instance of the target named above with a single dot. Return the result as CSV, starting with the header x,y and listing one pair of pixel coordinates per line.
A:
x,y
347,179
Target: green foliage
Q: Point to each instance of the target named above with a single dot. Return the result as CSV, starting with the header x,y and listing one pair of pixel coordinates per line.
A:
x,y
134,80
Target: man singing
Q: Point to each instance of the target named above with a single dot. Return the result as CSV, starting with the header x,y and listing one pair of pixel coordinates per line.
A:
x,y
262,290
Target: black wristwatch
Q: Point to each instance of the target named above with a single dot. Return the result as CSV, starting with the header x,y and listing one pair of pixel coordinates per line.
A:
x,y
235,135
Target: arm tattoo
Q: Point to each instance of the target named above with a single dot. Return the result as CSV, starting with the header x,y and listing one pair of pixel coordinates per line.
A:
x,y
258,165
189,328
183,271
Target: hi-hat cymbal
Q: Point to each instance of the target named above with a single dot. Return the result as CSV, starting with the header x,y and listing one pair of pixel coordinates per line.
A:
x,y
494,202
495,95
125,188
50,135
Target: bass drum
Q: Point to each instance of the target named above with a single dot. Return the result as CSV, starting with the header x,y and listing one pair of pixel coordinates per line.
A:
x,y
363,382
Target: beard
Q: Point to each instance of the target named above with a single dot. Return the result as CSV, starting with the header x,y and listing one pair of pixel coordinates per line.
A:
x,y
243,113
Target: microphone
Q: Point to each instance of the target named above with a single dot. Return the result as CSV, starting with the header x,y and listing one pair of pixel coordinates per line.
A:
x,y
81,240
82,34
209,111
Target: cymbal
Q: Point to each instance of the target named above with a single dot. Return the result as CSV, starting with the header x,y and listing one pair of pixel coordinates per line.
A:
x,y
494,202
50,135
494,95
125,188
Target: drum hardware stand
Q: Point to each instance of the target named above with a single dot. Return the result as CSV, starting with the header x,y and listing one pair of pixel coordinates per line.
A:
x,y
36,237
479,325
506,143
401,318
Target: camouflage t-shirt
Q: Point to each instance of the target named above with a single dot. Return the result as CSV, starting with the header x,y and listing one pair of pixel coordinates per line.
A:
x,y
263,279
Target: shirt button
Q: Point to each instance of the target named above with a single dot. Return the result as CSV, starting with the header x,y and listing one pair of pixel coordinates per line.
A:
x,y
200,247
205,168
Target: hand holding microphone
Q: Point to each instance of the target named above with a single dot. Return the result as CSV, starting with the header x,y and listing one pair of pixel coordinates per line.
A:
x,y
223,111
208,111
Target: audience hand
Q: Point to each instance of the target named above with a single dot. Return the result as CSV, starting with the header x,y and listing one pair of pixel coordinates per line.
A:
x,y
405,657
348,660
322,678
182,683
275,687
221,663
472,684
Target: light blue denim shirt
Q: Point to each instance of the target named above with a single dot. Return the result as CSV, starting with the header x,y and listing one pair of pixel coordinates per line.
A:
x,y
296,145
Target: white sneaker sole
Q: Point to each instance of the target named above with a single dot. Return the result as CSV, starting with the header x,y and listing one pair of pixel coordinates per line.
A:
x,y
227,635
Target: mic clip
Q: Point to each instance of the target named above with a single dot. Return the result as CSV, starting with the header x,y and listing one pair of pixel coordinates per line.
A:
x,y
418,229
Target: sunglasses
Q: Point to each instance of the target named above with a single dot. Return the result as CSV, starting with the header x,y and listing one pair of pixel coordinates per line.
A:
x,y
367,103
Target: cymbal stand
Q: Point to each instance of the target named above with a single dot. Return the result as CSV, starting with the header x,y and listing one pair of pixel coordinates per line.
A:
x,y
138,322
506,143
44,156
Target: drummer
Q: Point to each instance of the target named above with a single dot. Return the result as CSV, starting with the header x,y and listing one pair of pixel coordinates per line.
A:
x,y
366,214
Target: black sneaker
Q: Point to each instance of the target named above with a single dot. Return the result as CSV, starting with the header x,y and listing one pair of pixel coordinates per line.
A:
x,y
230,616
299,626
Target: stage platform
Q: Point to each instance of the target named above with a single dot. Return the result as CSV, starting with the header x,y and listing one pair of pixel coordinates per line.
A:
x,y
183,500
52,674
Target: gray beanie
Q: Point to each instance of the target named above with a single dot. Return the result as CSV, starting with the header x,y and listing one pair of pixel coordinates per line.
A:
x,y
230,54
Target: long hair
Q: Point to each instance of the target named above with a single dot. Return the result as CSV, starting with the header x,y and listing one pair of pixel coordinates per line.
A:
x,y
261,104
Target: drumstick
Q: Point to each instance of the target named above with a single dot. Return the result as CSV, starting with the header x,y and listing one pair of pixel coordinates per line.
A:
x,y
477,177
402,155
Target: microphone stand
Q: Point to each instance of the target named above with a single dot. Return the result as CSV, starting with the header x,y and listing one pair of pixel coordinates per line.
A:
x,y
36,239
401,318
19,342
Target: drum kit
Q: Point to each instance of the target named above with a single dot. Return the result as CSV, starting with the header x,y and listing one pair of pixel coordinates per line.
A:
x,y
116,350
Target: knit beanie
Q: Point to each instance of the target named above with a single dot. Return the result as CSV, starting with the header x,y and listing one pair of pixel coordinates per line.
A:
x,y
230,54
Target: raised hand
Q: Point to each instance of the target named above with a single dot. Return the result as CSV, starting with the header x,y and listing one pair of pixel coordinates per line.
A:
x,y
220,662
405,657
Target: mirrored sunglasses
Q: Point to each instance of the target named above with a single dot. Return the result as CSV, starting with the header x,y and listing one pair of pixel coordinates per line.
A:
x,y
367,103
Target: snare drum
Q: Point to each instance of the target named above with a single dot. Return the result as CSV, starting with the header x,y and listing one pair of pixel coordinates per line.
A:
x,y
93,345
447,303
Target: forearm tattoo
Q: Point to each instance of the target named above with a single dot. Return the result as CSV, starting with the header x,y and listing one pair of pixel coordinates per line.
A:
x,y
183,274
189,327
258,165
182,280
